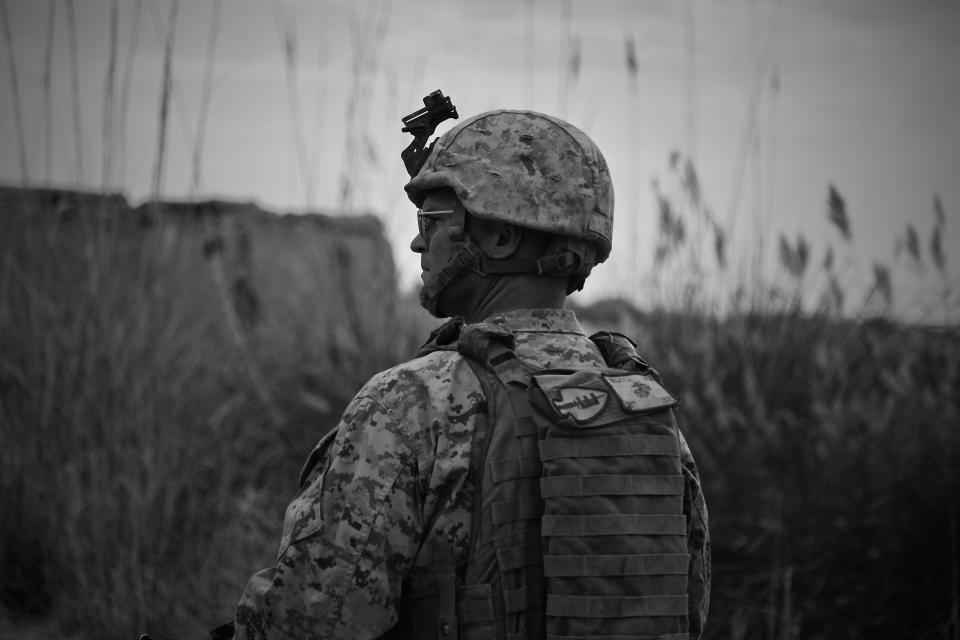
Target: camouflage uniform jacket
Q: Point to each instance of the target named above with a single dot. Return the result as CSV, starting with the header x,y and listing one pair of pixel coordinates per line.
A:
x,y
397,461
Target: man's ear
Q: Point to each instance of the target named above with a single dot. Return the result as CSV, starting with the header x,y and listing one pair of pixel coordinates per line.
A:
x,y
495,238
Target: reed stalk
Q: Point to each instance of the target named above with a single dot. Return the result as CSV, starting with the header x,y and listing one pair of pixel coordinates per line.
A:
x,y
205,98
15,95
748,131
48,95
564,70
368,38
75,88
131,57
690,75
288,38
166,87
766,212
529,44
109,99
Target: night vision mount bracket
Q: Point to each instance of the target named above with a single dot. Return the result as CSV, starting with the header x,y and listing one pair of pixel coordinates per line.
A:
x,y
421,124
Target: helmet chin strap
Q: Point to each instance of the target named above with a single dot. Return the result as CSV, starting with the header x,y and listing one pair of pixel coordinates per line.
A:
x,y
458,264
470,257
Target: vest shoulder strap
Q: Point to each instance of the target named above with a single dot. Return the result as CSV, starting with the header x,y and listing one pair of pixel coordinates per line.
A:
x,y
443,338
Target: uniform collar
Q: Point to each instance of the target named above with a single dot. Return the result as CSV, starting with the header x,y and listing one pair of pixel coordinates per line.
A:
x,y
538,320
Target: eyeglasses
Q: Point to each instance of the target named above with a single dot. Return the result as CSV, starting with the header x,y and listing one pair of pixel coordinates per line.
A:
x,y
427,221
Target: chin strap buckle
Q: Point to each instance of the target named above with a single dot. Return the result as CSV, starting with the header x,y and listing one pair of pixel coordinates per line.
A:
x,y
557,264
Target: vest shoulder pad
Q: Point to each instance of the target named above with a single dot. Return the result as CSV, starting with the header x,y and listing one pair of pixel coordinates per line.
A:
x,y
443,338
620,352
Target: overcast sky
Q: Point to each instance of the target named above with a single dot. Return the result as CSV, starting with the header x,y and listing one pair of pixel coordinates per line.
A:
x,y
773,101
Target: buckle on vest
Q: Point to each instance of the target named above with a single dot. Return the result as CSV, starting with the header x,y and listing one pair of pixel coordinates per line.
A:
x,y
448,628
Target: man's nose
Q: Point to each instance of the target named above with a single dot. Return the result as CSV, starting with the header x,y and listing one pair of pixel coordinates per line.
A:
x,y
418,244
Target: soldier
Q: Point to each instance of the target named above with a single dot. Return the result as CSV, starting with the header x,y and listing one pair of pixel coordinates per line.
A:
x,y
516,207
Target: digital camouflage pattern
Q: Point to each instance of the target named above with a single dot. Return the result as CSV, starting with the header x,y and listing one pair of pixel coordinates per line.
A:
x,y
525,168
397,461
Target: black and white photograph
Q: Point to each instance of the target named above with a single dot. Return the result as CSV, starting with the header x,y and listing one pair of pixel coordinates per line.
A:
x,y
479,320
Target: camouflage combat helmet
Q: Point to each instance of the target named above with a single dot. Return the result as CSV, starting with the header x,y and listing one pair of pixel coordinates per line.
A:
x,y
528,169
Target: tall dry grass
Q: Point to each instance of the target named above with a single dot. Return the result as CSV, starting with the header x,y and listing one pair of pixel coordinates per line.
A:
x,y
826,431
15,93
830,457
145,469
149,453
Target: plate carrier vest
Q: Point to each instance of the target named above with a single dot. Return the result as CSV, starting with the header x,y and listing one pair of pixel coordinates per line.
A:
x,y
579,528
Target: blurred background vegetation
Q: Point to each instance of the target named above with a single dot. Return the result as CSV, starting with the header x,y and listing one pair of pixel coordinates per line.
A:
x,y
164,371
166,367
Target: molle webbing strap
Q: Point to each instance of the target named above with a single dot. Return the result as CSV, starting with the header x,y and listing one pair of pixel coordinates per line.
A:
x,y
517,509
514,468
615,606
609,525
474,611
473,604
617,565
517,600
516,556
610,485
603,447
446,578
666,636
509,369
524,426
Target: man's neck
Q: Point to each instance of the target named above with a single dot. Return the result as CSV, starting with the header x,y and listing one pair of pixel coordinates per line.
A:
x,y
517,292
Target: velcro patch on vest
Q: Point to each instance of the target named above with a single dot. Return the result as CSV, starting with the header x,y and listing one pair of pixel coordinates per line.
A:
x,y
600,396
579,403
639,393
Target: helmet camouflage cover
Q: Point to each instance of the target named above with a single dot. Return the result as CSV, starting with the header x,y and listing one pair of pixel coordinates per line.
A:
x,y
525,168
